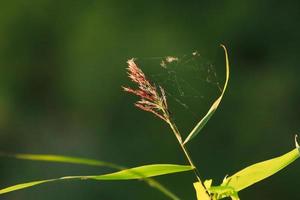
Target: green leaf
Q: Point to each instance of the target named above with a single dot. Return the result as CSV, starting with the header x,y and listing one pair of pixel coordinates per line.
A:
x,y
201,192
23,186
260,171
91,162
155,184
65,159
214,106
142,172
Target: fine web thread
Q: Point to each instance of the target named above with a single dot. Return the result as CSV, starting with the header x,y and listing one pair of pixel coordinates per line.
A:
x,y
179,89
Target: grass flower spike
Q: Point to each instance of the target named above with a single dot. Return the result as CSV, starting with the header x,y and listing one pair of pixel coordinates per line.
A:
x,y
152,100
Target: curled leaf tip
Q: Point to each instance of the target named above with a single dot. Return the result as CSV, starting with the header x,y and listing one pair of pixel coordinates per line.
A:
x,y
225,178
296,141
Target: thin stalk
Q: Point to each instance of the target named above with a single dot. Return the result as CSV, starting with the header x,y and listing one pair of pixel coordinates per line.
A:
x,y
186,153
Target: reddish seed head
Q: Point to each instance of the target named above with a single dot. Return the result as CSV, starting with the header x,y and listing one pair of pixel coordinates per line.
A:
x,y
151,100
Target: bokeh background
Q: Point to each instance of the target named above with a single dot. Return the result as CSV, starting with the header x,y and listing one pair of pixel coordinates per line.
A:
x,y
62,64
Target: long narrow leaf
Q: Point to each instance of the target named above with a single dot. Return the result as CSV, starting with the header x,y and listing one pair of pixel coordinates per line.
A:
x,y
141,172
214,106
155,184
260,171
91,162
144,172
65,159
23,186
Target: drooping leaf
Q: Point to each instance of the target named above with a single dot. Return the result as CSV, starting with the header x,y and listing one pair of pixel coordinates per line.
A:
x,y
155,184
141,172
144,172
201,192
259,171
65,159
23,186
91,162
214,106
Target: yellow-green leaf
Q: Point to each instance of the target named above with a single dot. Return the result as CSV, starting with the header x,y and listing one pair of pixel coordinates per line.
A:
x,y
201,192
260,171
91,162
142,172
214,106
22,186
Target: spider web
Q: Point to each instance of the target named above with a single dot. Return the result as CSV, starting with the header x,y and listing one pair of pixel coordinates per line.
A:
x,y
190,82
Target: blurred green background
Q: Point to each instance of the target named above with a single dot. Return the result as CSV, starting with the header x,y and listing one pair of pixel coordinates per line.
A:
x,y
62,64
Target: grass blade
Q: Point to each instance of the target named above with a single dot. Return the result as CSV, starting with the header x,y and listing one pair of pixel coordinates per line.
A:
x,y
23,186
144,172
91,162
157,185
65,159
141,172
214,106
260,171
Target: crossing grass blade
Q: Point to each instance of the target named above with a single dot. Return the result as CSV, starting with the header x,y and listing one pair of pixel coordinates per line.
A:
x,y
90,162
260,171
214,106
141,172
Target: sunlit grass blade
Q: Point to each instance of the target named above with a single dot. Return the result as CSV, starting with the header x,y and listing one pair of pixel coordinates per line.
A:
x,y
141,172
144,172
260,171
201,192
214,106
91,162
23,186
